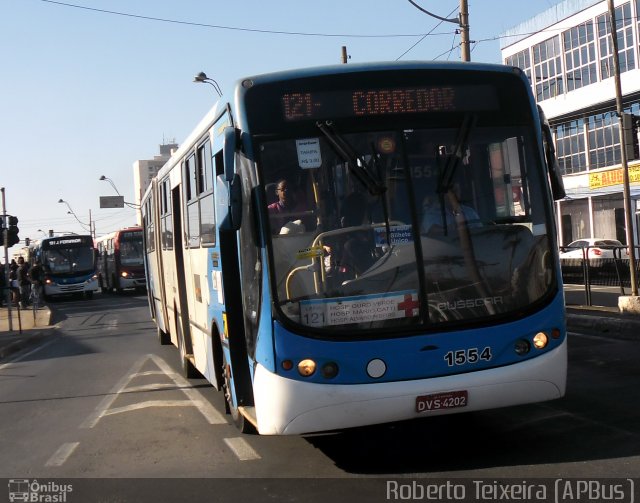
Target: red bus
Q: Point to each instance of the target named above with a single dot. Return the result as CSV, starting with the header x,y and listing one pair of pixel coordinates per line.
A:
x,y
120,262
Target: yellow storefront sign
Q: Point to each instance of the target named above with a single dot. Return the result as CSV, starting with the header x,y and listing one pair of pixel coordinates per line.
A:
x,y
613,177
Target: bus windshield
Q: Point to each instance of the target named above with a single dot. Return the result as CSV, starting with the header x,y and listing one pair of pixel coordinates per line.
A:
x,y
69,260
131,248
407,228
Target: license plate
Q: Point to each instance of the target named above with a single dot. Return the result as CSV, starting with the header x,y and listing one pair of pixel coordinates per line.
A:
x,y
437,401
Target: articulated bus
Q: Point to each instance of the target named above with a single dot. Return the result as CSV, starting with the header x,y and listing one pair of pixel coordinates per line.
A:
x,y
362,244
120,263
69,264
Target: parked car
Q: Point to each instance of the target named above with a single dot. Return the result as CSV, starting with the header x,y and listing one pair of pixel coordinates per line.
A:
x,y
594,248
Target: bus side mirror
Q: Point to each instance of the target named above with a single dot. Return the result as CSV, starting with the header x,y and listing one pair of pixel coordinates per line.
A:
x,y
555,177
228,187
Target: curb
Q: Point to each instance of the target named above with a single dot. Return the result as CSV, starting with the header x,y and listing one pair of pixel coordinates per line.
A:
x,y
21,343
620,326
27,338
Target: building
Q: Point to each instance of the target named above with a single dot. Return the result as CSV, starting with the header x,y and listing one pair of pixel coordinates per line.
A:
x,y
145,170
566,52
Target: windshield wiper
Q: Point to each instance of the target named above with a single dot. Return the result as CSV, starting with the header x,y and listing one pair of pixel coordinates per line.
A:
x,y
356,164
447,175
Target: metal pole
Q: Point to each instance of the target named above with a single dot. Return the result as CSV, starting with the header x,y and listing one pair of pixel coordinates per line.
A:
x,y
344,54
6,261
464,30
628,221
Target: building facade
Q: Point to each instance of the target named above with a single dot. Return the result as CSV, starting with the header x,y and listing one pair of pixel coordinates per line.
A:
x,y
145,170
566,52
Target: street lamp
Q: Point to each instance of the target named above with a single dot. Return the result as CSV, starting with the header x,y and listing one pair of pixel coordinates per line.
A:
x,y
130,205
71,212
112,184
202,77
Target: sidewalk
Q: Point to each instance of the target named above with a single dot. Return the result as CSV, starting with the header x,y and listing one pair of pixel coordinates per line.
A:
x,y
33,328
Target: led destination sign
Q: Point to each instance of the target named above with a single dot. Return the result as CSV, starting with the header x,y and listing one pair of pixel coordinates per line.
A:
x,y
68,242
377,102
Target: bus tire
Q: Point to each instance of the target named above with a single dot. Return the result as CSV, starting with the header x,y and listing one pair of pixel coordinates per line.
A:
x,y
163,337
239,421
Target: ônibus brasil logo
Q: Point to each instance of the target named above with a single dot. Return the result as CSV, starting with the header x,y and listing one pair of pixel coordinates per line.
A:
x,y
34,491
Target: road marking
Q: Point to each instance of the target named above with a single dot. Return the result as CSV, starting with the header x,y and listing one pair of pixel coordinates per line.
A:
x,y
150,373
195,398
242,450
150,387
206,409
111,325
149,403
111,396
62,454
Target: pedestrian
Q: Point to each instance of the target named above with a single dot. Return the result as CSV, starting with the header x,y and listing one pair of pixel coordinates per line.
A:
x,y
24,282
37,283
13,283
3,284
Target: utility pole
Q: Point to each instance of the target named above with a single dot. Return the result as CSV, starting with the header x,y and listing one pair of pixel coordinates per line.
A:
x,y
7,281
344,55
628,221
464,31
462,21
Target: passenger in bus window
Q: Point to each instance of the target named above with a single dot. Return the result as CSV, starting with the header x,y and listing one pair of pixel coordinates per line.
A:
x,y
289,214
351,253
439,213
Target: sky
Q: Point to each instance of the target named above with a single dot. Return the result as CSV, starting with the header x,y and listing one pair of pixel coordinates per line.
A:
x,y
90,86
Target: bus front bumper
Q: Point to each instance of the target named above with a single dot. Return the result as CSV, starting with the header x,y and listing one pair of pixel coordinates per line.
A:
x,y
288,407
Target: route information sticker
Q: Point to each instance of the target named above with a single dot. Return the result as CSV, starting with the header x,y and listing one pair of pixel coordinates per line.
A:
x,y
360,309
309,155
400,234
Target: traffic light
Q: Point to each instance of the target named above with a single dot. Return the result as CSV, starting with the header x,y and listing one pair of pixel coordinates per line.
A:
x,y
630,130
12,231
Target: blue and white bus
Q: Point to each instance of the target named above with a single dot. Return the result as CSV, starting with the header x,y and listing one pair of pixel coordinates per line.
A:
x,y
360,244
69,264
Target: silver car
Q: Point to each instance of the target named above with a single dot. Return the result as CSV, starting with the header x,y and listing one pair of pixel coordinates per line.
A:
x,y
594,248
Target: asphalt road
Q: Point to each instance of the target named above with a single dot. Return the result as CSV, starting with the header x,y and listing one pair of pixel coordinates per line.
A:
x,y
100,399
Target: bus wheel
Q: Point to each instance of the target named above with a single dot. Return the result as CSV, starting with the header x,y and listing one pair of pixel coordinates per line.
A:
x,y
238,419
163,337
116,285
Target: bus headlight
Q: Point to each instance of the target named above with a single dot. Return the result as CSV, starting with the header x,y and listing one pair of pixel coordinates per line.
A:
x,y
330,370
306,367
522,347
540,340
124,274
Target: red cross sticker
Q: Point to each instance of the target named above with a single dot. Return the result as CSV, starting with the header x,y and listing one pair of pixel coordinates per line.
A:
x,y
408,305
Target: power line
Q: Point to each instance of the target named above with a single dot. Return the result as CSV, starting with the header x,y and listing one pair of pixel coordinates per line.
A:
x,y
424,36
232,28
